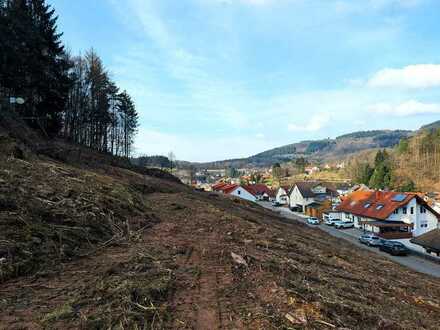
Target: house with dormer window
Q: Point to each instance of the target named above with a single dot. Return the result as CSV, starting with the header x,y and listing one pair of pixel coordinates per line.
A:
x,y
391,215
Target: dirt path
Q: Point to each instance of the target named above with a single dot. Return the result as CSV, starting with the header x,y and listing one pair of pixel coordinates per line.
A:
x,y
197,302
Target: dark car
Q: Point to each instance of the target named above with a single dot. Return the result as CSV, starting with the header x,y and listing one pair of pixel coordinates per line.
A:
x,y
394,248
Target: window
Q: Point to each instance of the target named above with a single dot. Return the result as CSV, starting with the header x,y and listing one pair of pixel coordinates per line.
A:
x,y
379,206
396,211
412,210
424,225
239,192
405,210
422,209
367,205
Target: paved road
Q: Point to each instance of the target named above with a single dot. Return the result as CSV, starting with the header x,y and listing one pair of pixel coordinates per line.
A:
x,y
411,261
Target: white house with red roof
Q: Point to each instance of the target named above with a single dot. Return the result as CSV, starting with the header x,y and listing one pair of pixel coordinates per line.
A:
x,y
253,193
391,215
243,193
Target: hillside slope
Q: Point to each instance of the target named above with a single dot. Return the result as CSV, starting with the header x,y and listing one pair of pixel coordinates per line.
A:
x,y
100,248
321,150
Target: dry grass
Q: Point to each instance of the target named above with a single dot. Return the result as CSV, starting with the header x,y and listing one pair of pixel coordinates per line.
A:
x,y
170,265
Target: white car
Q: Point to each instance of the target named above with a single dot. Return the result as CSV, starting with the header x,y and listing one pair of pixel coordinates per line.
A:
x,y
331,222
313,221
343,224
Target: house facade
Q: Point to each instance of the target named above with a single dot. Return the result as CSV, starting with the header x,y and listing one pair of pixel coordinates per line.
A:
x,y
252,193
282,195
260,191
391,215
241,192
307,192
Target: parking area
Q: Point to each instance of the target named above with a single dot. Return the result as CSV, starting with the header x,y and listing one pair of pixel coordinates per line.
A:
x,y
414,260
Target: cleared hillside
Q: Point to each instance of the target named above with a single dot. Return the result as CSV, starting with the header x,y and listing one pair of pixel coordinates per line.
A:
x,y
86,247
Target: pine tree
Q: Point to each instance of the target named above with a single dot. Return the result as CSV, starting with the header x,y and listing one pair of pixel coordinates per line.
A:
x,y
129,118
382,175
34,64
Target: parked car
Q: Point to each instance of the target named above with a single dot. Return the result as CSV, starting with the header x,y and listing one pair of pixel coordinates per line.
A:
x,y
370,240
394,248
331,222
343,224
275,203
313,221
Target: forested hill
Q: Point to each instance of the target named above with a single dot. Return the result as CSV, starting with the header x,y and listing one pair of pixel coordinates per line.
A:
x,y
327,149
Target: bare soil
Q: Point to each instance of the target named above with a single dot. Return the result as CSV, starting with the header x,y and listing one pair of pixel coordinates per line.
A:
x,y
91,248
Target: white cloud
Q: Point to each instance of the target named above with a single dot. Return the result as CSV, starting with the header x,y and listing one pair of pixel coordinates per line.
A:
x,y
316,123
260,136
408,108
412,76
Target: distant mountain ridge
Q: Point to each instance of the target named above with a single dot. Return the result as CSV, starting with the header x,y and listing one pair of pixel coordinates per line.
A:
x,y
320,150
434,125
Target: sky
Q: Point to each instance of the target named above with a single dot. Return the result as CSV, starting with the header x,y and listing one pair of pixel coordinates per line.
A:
x,y
221,79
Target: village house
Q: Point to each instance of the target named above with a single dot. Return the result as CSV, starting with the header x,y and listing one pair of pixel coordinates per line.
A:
x,y
391,215
311,169
260,191
430,241
252,193
316,196
282,195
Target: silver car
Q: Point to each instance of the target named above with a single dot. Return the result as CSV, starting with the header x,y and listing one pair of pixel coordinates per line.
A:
x,y
370,240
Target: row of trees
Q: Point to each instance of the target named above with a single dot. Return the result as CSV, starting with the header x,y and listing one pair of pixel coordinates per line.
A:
x,y
72,96
97,113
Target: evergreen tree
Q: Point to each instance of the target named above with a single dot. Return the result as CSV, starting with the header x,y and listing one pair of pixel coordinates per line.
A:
x,y
276,171
129,118
403,146
382,176
365,173
74,96
34,64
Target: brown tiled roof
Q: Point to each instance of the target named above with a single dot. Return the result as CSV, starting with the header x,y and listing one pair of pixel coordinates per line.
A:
x,y
218,186
229,188
305,188
258,189
381,204
431,240
226,188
